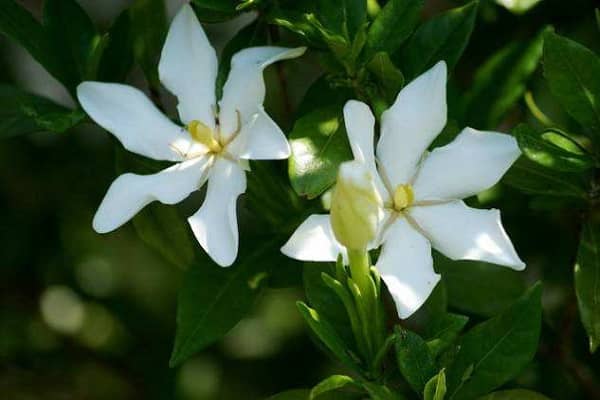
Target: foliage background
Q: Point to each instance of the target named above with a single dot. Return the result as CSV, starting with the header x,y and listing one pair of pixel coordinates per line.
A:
x,y
87,316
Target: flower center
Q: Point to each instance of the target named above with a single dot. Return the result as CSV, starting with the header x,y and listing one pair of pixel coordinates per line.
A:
x,y
203,134
403,197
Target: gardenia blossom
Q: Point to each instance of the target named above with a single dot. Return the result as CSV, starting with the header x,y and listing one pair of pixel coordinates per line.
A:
x,y
421,192
213,145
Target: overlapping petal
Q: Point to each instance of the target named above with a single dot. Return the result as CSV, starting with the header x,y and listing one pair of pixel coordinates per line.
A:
x,y
131,117
473,162
314,240
129,193
244,90
188,68
406,266
409,126
464,233
215,223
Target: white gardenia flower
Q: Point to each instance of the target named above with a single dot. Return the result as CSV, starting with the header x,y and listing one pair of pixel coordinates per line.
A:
x,y
209,147
421,192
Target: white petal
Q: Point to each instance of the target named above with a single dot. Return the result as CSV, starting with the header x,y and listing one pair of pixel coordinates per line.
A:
x,y
215,223
409,126
464,233
360,123
188,68
244,90
313,240
129,193
128,114
473,162
406,266
260,139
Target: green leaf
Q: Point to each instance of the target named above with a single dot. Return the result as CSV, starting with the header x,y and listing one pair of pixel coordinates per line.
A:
x,y
443,37
149,29
389,78
435,389
22,113
496,350
477,287
530,177
215,10
380,392
327,334
117,57
344,17
572,72
514,394
74,36
587,281
332,383
319,144
19,25
213,299
414,359
500,83
392,26
443,331
551,150
294,394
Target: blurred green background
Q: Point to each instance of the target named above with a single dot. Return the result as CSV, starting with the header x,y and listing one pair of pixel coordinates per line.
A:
x,y
89,316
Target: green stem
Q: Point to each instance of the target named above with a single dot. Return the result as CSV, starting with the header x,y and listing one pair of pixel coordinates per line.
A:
x,y
360,269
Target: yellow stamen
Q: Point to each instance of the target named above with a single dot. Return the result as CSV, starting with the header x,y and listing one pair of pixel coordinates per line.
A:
x,y
403,197
203,134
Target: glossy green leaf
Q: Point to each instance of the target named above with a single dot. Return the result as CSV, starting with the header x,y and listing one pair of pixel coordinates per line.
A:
x,y
414,359
149,29
443,331
22,113
319,144
530,177
117,57
332,383
496,350
74,36
542,148
344,17
500,82
435,389
213,299
478,287
572,71
443,37
514,394
327,334
392,26
587,281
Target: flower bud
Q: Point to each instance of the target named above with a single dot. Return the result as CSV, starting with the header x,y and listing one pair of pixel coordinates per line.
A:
x,y
356,206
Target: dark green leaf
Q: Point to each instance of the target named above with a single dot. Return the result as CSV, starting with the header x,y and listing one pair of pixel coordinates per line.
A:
x,y
19,25
500,83
215,10
392,26
327,334
148,24
498,349
515,394
22,113
319,144
443,331
213,299
117,58
443,37
389,78
435,389
478,287
415,361
74,36
333,383
587,281
380,392
344,17
530,177
572,73
294,394
542,148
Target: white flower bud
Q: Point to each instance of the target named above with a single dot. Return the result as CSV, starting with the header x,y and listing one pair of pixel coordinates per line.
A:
x,y
356,206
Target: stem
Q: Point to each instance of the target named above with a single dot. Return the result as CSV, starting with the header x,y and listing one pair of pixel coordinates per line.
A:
x,y
360,269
